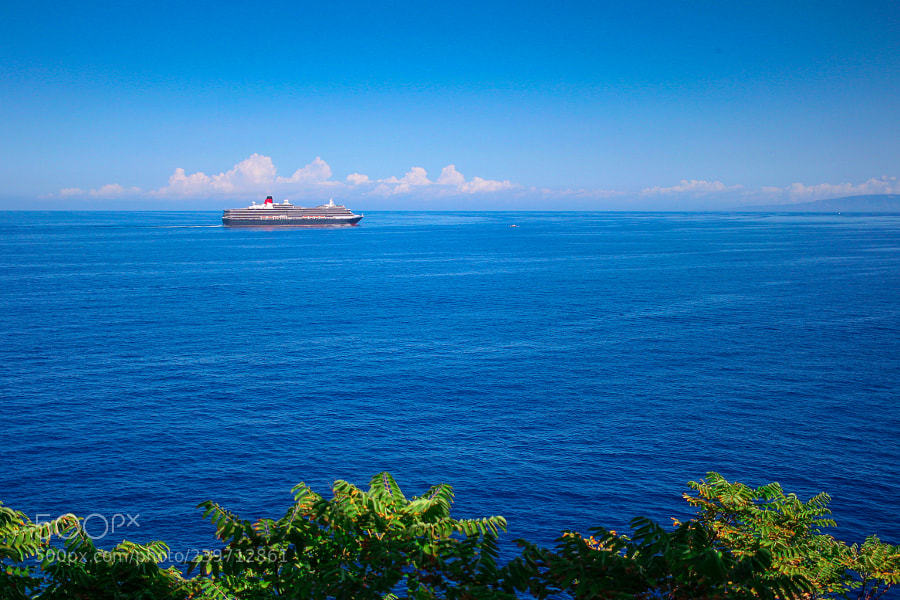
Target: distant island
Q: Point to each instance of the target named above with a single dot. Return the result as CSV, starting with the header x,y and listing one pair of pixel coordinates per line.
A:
x,y
878,203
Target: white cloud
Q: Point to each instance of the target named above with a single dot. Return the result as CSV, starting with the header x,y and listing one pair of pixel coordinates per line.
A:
x,y
479,185
256,176
796,192
414,178
800,192
110,190
358,179
317,171
691,186
881,185
581,193
457,181
257,169
450,182
181,184
450,176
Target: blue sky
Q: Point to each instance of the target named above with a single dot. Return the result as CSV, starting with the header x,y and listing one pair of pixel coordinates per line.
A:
x,y
457,105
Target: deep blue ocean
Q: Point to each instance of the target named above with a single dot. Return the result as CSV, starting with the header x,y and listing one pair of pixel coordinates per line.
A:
x,y
575,371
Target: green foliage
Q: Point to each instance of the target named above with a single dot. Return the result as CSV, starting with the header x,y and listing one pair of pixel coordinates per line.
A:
x,y
745,519
651,563
21,540
744,543
877,566
358,544
57,560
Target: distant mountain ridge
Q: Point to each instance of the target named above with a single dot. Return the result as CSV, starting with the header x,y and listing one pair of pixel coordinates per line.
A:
x,y
876,203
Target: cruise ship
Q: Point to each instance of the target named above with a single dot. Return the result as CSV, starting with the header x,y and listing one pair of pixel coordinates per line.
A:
x,y
271,214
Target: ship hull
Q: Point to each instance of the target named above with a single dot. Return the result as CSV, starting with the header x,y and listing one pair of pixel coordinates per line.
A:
x,y
290,222
285,214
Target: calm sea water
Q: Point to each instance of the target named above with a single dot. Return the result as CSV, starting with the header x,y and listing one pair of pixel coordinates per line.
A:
x,y
575,371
